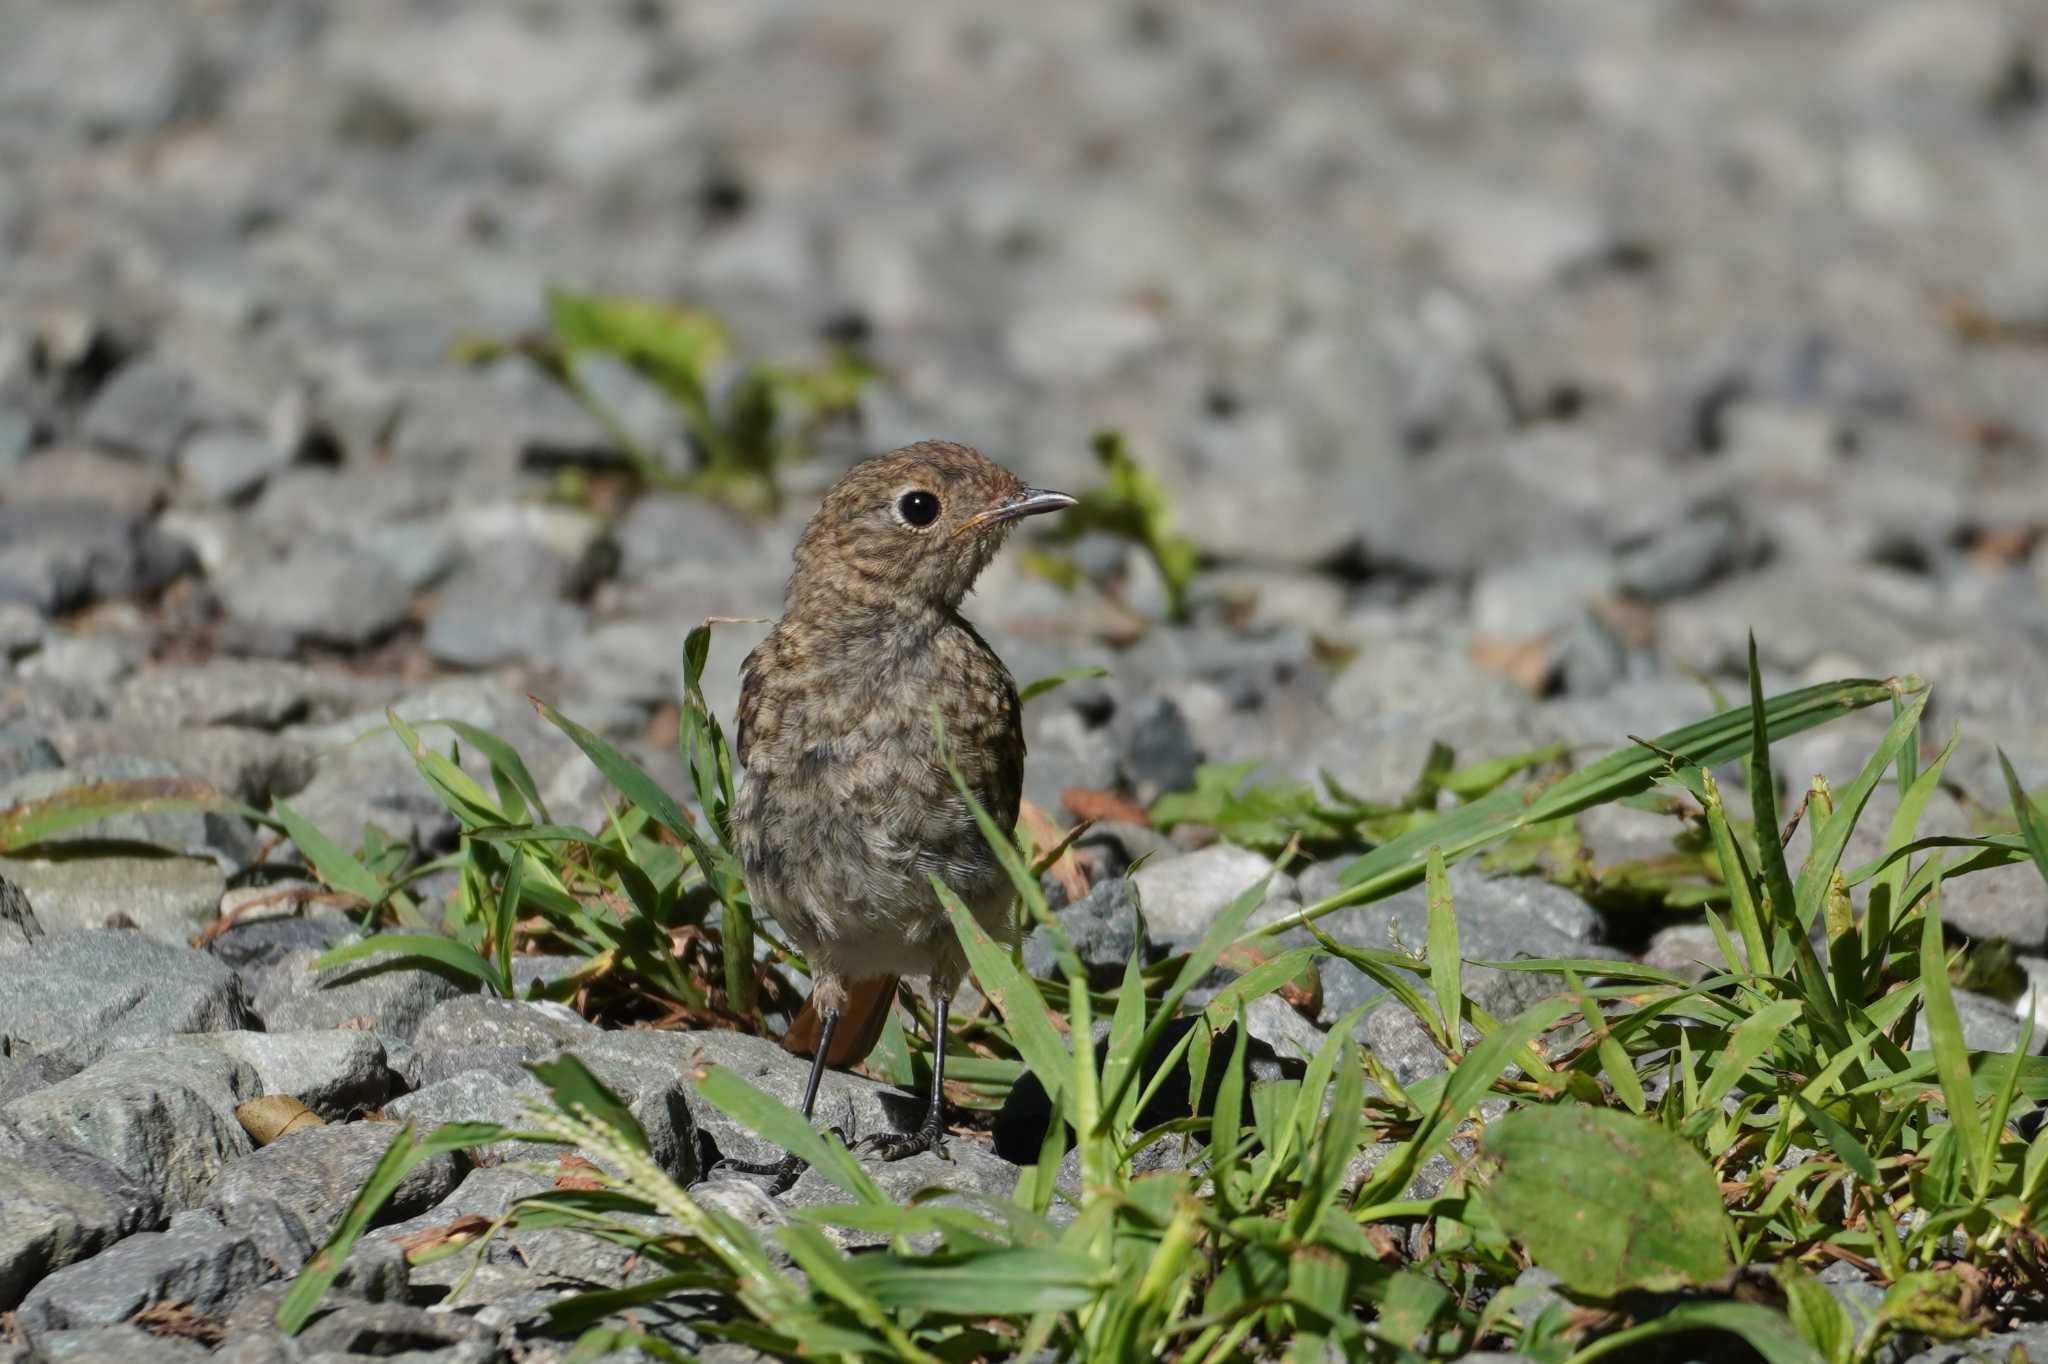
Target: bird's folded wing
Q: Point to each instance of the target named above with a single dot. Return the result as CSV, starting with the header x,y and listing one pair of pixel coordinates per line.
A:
x,y
860,1023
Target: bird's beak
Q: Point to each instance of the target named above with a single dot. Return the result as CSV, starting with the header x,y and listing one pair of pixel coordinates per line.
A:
x,y
1030,502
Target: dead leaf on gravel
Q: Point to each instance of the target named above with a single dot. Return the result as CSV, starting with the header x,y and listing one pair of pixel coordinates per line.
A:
x,y
1104,807
273,1116
460,1232
568,1179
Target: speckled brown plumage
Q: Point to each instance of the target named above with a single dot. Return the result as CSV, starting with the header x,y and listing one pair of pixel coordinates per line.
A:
x,y
846,808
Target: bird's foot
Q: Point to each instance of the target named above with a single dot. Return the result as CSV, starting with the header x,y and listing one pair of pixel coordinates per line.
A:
x,y
781,1175
900,1145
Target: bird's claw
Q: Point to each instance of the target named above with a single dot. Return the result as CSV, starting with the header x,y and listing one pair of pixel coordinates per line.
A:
x,y
781,1175
888,1146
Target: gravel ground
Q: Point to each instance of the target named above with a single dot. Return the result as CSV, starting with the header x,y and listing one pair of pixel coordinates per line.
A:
x,y
1524,357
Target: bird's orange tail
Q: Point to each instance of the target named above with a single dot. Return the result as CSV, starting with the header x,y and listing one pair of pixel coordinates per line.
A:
x,y
860,1023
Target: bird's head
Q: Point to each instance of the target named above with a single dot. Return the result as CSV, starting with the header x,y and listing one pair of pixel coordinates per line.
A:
x,y
914,527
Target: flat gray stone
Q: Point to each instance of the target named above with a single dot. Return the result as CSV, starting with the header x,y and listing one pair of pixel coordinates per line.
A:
x,y
129,1344
318,592
297,996
222,463
195,1262
77,995
253,693
166,1116
394,1330
336,1073
290,1195
164,899
59,1205
145,409
861,1106
472,1032
1182,896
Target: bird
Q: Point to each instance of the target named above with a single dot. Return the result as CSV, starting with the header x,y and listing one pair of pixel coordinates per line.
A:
x,y
846,809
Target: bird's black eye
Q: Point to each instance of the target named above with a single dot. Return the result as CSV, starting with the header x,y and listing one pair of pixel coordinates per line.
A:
x,y
918,508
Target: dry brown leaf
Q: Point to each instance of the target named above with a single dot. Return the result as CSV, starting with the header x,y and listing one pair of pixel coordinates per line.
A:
x,y
568,1179
1526,662
1104,807
178,1321
273,1116
460,1232
1046,835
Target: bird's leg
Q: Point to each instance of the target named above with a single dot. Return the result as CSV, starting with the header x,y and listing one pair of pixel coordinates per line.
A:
x,y
784,1173
932,1136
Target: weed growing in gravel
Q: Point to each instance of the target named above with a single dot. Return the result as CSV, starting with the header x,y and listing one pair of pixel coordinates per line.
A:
x,y
740,433
1681,1156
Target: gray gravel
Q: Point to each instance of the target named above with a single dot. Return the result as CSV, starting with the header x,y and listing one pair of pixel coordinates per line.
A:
x,y
1508,368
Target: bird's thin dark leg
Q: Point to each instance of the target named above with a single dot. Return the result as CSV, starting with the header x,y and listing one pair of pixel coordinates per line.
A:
x,y
931,1136
785,1172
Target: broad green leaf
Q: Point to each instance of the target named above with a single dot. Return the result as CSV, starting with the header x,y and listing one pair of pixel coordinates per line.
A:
x,y
1606,1201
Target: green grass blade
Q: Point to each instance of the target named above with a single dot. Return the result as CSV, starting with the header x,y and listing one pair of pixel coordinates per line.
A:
x,y
503,758
328,859
1951,1055
442,951
405,1152
2033,828
32,821
1833,835
777,1122
1014,996
1445,972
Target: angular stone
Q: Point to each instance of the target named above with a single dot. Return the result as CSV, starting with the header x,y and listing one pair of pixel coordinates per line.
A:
x,y
19,926
222,464
1104,928
293,1192
165,1115
297,996
336,1074
319,592
145,409
389,1328
77,995
253,693
164,899
195,1262
1182,896
129,1344
59,1205
471,1032
664,1065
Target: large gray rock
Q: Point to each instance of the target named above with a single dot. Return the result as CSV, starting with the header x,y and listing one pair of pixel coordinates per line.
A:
x,y
336,1074
1182,896
662,1067
145,409
129,1344
1104,929
164,899
296,995
290,1195
76,996
1499,919
318,592
166,1116
472,1032
58,1205
253,693
392,1329
195,1262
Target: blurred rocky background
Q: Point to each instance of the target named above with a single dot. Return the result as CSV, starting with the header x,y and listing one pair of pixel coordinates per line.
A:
x,y
1507,364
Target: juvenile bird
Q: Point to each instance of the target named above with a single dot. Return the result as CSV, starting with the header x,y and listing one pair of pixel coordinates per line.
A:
x,y
847,809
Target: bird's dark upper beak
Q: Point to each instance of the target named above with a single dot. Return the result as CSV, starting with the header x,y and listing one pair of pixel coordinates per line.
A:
x,y
1030,502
